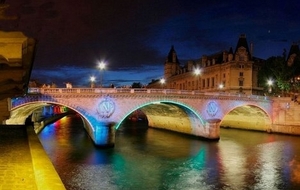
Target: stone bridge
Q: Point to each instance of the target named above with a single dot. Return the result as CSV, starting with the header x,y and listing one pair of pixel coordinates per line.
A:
x,y
189,112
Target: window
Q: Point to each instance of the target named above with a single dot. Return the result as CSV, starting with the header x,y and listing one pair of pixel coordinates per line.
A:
x,y
241,83
241,74
208,82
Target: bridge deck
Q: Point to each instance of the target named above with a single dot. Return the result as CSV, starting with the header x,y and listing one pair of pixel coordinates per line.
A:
x,y
140,91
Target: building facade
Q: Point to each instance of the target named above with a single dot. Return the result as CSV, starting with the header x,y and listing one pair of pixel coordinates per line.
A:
x,y
16,60
226,71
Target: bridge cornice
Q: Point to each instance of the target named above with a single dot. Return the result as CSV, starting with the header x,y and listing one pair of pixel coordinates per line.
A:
x,y
140,93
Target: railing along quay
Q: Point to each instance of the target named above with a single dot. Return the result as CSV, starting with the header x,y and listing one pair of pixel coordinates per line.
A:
x,y
137,91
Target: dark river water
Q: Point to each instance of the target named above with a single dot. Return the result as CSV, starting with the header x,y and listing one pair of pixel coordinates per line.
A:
x,y
145,158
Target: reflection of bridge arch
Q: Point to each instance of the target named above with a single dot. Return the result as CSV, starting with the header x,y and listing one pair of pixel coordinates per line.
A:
x,y
187,112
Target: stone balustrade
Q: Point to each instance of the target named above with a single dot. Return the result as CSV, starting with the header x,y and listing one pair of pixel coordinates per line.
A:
x,y
139,91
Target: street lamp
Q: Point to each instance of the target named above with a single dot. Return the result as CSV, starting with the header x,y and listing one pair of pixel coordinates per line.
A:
x,y
162,82
221,86
197,72
92,81
101,67
270,83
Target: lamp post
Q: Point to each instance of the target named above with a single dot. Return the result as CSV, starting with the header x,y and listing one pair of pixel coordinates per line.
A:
x,y
197,72
101,67
221,86
270,83
162,82
92,81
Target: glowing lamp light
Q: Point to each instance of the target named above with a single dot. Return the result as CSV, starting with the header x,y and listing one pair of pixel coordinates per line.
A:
x,y
270,82
92,78
92,81
197,71
101,67
162,82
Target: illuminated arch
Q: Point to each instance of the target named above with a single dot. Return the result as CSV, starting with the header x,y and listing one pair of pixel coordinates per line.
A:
x,y
29,106
247,116
189,112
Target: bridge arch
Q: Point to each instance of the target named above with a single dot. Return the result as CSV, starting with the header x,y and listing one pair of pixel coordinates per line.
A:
x,y
170,115
20,113
247,116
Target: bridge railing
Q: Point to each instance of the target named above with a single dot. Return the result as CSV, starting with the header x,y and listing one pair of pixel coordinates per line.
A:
x,y
138,91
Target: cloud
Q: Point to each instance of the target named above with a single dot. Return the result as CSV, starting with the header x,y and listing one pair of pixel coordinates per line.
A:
x,y
135,35
80,77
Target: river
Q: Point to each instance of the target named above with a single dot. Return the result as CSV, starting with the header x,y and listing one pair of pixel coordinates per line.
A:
x,y
145,158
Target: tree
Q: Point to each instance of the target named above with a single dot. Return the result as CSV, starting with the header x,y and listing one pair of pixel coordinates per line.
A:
x,y
136,85
295,80
275,68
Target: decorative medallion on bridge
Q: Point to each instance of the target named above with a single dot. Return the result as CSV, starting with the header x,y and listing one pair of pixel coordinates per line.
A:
x,y
212,108
106,108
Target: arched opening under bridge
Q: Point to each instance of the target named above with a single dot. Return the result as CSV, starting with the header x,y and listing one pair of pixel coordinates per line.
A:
x,y
248,117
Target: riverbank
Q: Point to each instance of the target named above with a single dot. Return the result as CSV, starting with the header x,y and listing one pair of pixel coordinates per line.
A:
x,y
24,163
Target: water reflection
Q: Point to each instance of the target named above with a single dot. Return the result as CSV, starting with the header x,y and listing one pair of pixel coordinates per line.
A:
x,y
153,159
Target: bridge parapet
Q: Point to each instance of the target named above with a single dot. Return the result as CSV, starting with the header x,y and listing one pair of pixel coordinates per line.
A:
x,y
142,91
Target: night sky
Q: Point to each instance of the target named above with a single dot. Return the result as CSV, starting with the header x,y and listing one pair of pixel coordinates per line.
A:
x,y
133,37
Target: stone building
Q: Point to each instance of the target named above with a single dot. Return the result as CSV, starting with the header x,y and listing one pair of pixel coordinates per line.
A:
x,y
16,60
293,54
226,71
293,60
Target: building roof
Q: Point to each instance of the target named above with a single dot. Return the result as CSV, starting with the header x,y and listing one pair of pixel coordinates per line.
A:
x,y
218,57
294,50
170,56
242,42
230,51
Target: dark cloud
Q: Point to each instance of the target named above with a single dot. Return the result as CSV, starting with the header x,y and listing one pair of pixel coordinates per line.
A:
x,y
136,35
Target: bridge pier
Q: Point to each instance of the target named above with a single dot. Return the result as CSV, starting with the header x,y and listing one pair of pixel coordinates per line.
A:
x,y
213,129
104,135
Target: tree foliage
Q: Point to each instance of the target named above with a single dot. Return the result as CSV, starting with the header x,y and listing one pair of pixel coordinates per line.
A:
x,y
283,75
136,85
